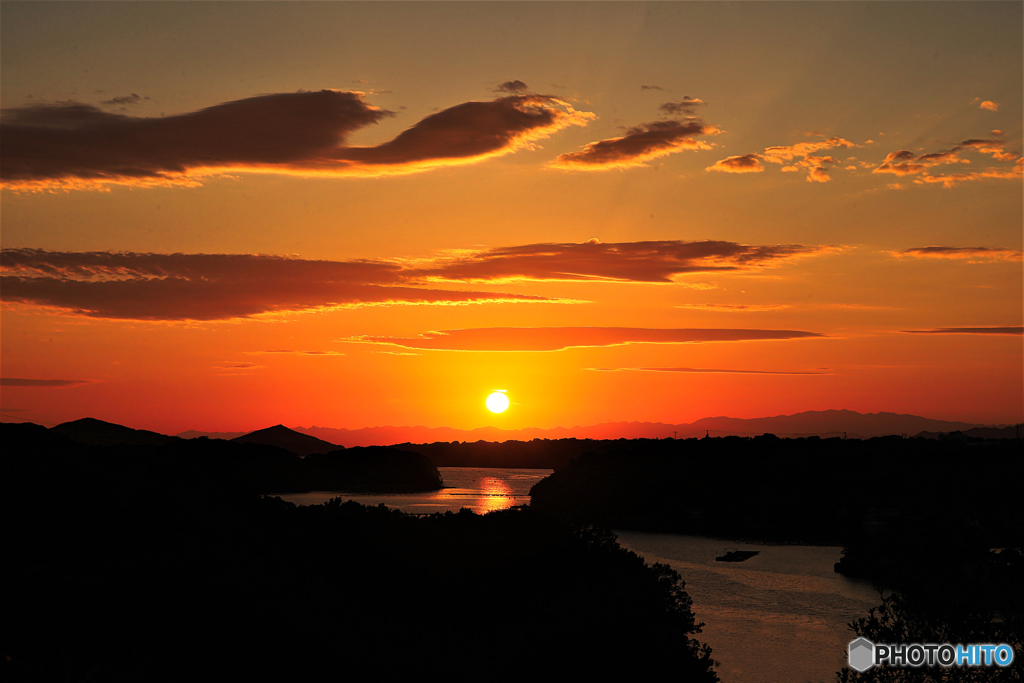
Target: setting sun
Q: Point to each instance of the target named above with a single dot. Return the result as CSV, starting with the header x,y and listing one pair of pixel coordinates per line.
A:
x,y
497,402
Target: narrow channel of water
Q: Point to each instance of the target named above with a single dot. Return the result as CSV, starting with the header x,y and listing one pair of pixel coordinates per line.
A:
x,y
781,615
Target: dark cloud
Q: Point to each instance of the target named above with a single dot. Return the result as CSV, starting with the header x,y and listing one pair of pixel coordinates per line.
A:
x,y
469,131
78,145
996,147
651,261
968,253
122,285
561,338
715,370
685,108
209,286
124,99
513,87
903,162
970,330
14,382
747,163
639,144
902,155
651,87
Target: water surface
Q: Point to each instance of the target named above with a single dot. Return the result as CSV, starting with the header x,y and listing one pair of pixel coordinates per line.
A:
x,y
481,489
778,617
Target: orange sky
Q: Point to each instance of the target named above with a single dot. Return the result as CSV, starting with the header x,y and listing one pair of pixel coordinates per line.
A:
x,y
222,216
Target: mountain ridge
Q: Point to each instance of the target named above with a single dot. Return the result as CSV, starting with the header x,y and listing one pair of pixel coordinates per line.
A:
x,y
823,423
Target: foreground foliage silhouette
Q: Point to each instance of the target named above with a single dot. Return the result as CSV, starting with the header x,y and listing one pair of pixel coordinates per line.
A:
x,y
136,571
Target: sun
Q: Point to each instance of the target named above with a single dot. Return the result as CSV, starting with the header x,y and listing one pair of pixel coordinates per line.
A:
x,y
497,402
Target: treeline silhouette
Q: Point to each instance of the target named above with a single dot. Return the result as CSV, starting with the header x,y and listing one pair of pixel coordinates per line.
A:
x,y
163,563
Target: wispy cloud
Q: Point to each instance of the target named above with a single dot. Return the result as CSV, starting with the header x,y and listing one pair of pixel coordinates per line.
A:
x,y
639,145
73,145
686,107
972,254
300,353
50,383
133,286
124,100
734,308
561,338
652,261
516,87
824,371
970,330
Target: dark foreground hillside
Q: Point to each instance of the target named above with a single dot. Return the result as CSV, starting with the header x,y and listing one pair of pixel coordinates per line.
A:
x,y
135,573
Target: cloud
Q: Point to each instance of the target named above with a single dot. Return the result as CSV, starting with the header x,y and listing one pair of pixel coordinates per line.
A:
x,y
650,261
70,145
130,286
640,144
953,179
513,87
973,254
747,163
685,108
905,163
792,158
561,338
714,370
14,382
990,105
733,308
302,353
124,99
996,147
970,330
651,87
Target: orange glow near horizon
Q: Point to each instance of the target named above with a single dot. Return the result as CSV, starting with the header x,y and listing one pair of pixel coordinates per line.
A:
x,y
350,227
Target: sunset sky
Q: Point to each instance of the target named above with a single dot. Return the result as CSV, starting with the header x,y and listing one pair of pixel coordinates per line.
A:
x,y
222,216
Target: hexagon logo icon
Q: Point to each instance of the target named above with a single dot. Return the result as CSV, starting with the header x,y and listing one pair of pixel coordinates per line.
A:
x,y
862,654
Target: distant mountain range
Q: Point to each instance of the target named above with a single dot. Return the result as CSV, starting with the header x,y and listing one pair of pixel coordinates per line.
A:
x,y
823,423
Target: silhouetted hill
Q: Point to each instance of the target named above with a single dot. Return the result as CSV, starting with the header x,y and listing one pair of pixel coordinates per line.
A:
x,y
97,432
823,423
35,456
195,434
282,437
